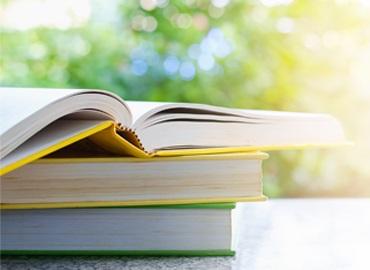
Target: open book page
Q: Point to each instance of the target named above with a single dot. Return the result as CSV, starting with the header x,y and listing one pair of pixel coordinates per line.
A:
x,y
19,103
150,113
141,110
191,126
24,112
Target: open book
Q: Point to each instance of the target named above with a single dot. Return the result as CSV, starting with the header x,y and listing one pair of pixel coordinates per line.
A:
x,y
37,122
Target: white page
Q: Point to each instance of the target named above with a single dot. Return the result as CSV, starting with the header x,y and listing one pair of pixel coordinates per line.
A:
x,y
139,108
25,111
16,104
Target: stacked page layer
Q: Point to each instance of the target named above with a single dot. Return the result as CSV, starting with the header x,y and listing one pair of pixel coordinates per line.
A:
x,y
201,230
92,182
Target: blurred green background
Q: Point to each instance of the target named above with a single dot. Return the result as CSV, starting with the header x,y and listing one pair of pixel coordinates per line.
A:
x,y
268,54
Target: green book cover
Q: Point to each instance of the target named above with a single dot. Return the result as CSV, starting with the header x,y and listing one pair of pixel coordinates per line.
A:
x,y
185,206
200,253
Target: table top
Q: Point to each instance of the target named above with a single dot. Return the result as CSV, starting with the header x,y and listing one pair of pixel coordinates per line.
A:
x,y
277,234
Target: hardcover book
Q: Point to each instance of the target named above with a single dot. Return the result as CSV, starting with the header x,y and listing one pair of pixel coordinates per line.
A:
x,y
37,122
193,230
113,181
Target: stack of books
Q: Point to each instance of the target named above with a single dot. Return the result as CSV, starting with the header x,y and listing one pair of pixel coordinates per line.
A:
x,y
84,172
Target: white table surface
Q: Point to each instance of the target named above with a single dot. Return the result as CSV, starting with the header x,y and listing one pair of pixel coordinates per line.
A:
x,y
277,234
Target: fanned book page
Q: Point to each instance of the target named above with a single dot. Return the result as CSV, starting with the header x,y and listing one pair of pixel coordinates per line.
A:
x,y
146,129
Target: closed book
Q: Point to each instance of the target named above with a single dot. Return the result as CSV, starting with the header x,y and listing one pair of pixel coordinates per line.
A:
x,y
193,230
118,181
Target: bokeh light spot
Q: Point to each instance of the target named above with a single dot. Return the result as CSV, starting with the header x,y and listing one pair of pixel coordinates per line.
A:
x,y
171,64
139,67
187,71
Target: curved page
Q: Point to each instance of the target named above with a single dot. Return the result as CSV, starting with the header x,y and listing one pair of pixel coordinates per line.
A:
x,y
24,112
